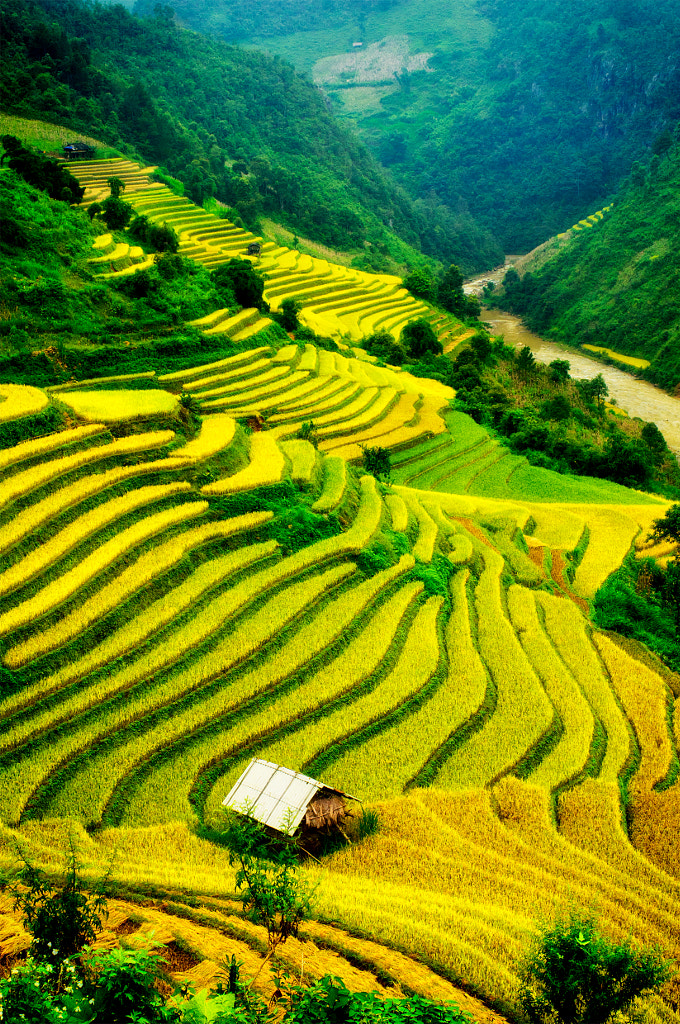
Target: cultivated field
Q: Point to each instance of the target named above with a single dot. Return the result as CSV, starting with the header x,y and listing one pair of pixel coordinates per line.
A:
x,y
177,602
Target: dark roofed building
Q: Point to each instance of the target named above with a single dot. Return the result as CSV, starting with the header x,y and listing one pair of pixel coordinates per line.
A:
x,y
78,151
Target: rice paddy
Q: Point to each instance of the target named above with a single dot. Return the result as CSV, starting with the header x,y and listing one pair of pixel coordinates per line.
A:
x,y
173,606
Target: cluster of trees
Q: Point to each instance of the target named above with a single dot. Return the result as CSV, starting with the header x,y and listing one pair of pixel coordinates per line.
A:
x,y
444,289
50,177
557,422
267,18
235,124
560,102
616,284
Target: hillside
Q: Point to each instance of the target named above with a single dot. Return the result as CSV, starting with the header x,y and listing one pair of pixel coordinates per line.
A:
x,y
529,114
197,569
225,122
614,283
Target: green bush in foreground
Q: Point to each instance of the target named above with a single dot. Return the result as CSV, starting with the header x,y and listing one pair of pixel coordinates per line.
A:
x,y
574,975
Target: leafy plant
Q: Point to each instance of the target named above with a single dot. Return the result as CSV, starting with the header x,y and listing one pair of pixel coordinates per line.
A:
x,y
267,877
574,975
376,461
61,918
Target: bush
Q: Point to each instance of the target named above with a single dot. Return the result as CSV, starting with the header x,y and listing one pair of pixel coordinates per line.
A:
x,y
419,338
116,213
574,975
383,346
62,918
288,314
238,278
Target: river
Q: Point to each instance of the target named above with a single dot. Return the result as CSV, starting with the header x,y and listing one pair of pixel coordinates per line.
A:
x,y
637,397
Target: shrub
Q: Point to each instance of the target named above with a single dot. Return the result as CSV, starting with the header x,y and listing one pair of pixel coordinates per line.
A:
x,y
116,213
288,314
419,338
238,278
574,975
61,918
376,461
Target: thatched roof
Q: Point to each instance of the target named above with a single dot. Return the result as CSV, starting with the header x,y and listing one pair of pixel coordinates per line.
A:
x,y
279,797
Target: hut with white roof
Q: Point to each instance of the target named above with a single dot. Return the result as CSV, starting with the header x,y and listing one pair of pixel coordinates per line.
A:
x,y
281,799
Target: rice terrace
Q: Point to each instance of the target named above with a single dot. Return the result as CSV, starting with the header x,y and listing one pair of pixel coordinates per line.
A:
x,y
198,569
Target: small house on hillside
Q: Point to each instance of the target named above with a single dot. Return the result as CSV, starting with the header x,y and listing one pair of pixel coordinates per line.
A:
x,y
78,151
278,797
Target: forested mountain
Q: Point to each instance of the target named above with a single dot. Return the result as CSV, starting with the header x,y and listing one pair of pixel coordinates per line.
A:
x,y
616,283
237,124
527,112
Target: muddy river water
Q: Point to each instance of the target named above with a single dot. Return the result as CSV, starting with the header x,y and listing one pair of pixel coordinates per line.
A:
x,y
637,397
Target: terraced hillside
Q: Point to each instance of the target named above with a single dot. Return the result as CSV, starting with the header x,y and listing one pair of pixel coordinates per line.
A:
x,y
173,605
336,301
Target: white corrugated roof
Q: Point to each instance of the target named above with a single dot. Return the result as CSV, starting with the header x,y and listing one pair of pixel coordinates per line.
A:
x,y
274,795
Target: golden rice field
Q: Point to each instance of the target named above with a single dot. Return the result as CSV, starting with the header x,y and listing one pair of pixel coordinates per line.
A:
x,y
173,603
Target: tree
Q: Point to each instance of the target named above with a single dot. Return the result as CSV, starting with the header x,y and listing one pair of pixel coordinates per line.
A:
x,y
382,345
595,390
526,363
574,975
116,213
667,527
421,283
451,296
240,279
116,185
267,879
559,371
288,314
419,338
376,461
62,918
162,238
655,441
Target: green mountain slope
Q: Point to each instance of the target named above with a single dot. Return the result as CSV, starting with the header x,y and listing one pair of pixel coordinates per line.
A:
x,y
617,283
241,126
528,113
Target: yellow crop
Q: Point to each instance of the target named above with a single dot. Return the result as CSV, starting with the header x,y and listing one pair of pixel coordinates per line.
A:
x,y
645,699
213,616
177,774
429,418
115,406
209,575
240,359
286,354
147,567
334,483
463,690
391,424
398,512
24,482
89,790
119,378
102,241
80,529
43,445
638,364
557,527
309,358
216,434
326,364
423,549
303,457
237,381
65,586
287,381
376,411
20,400
523,712
266,466
331,395
569,757
381,766
282,399
352,666
29,519
611,535
566,627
